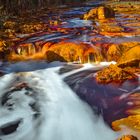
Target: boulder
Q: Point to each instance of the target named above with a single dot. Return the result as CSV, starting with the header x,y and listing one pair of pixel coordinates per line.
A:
x,y
132,122
105,12
71,52
101,13
114,52
52,56
130,58
92,14
62,51
114,74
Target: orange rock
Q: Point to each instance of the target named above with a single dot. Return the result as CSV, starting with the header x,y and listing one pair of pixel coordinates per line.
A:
x,y
111,27
46,47
75,52
92,14
2,45
24,52
114,52
67,51
26,49
31,27
125,46
101,13
130,58
10,24
132,122
105,12
128,137
114,74
135,32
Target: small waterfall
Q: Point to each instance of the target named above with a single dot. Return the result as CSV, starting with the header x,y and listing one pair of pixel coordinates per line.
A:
x,y
66,116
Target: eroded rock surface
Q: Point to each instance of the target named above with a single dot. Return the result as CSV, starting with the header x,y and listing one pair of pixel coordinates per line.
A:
x,y
114,74
130,58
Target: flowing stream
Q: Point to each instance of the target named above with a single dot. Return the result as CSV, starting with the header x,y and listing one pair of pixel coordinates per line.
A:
x,y
66,116
38,101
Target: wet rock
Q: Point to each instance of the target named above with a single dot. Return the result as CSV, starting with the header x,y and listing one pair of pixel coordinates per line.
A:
x,y
125,46
113,27
4,49
126,8
132,122
114,74
69,67
114,52
46,47
105,12
127,56
119,31
101,13
128,137
2,44
69,51
26,49
109,26
32,27
62,51
52,56
103,98
22,52
1,73
76,52
133,100
92,14
130,58
10,33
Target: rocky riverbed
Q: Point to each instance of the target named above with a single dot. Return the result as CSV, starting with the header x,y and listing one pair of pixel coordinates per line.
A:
x,y
98,45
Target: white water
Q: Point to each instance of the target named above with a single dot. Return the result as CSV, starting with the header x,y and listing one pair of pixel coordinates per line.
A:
x,y
66,116
88,66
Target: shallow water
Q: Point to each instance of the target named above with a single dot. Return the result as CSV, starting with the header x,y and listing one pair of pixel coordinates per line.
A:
x,y
72,27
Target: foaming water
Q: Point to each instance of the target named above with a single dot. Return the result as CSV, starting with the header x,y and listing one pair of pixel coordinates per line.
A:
x,y
88,66
63,115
